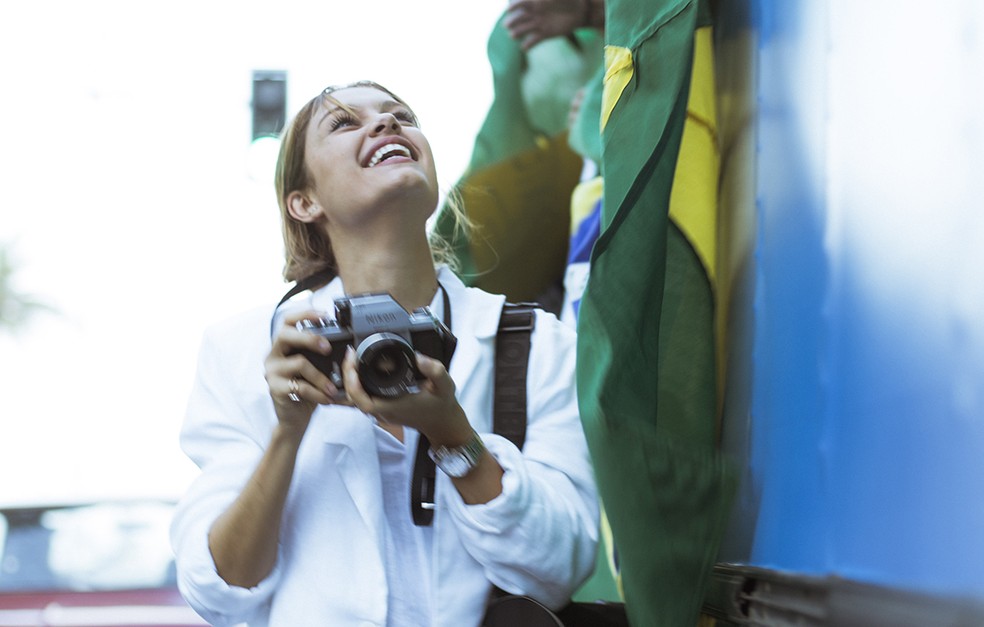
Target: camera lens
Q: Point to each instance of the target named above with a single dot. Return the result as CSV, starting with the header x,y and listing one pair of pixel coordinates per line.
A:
x,y
386,365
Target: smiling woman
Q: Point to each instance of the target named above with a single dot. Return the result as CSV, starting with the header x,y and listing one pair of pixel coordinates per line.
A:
x,y
308,161
302,514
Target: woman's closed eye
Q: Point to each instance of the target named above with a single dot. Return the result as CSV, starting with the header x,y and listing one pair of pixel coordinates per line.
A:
x,y
342,119
405,116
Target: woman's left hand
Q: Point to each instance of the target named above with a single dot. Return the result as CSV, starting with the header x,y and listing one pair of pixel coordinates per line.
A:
x,y
434,411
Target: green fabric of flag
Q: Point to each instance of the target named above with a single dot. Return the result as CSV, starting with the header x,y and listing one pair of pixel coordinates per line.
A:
x,y
646,345
517,187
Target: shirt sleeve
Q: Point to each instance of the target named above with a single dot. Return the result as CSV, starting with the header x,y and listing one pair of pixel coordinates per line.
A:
x,y
222,433
539,536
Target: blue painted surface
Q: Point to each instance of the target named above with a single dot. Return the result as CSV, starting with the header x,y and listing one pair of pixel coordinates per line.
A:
x,y
791,274
862,425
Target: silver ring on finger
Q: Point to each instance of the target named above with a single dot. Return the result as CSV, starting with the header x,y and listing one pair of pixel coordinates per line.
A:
x,y
292,389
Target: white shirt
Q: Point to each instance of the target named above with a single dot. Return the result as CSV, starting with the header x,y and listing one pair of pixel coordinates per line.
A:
x,y
538,537
408,546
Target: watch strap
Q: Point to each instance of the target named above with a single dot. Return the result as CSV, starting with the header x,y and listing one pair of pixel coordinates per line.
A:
x,y
458,461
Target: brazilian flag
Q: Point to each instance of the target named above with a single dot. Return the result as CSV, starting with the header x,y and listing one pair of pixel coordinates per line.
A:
x,y
647,354
517,187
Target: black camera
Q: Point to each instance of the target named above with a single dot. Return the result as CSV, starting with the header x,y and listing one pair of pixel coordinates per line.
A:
x,y
385,338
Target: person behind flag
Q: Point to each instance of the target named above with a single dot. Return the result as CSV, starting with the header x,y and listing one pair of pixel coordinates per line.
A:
x,y
301,514
533,23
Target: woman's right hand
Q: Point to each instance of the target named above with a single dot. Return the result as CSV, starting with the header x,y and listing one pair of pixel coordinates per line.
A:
x,y
243,540
296,385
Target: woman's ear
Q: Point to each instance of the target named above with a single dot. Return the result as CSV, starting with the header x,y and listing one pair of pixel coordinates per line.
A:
x,y
302,208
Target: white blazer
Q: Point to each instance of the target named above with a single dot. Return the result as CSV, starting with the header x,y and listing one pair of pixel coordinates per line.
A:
x,y
538,537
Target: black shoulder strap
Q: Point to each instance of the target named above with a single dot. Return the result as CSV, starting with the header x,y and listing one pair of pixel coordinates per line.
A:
x,y
322,277
512,353
512,350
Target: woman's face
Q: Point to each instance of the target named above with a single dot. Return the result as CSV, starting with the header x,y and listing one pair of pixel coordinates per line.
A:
x,y
367,156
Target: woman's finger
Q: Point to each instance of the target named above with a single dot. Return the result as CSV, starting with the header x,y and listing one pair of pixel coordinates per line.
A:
x,y
290,340
353,386
437,375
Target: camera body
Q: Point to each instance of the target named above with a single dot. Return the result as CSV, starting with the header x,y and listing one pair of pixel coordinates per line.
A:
x,y
385,337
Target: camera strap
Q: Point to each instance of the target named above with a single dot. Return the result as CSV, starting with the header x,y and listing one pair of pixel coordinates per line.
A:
x,y
512,350
423,484
322,277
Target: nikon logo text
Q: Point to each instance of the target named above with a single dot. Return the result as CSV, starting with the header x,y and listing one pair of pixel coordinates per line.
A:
x,y
377,319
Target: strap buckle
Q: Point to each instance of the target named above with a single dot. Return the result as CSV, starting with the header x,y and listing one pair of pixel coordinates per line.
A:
x,y
517,317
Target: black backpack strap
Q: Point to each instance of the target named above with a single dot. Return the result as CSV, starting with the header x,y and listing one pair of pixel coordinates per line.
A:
x,y
512,353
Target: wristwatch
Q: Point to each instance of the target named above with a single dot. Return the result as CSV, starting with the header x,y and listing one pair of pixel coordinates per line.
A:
x,y
458,461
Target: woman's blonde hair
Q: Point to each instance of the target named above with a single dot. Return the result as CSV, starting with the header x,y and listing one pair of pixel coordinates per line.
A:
x,y
307,248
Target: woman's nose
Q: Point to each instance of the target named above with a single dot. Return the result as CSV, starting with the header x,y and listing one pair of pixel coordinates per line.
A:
x,y
385,122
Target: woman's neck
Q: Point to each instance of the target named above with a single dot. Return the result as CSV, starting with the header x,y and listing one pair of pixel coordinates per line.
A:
x,y
406,272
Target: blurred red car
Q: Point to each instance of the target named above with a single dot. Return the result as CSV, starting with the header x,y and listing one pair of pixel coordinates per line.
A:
x,y
93,565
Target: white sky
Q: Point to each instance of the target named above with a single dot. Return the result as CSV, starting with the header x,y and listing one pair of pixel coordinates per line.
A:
x,y
125,197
